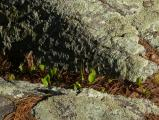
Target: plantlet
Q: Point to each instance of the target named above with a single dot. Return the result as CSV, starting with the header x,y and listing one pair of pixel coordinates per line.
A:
x,y
21,67
110,80
53,72
92,76
139,81
77,86
32,68
11,76
82,73
46,80
42,67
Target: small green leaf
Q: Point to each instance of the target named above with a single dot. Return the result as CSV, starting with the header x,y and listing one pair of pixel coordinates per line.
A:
x,y
11,76
110,80
21,67
53,72
46,80
42,67
76,86
139,81
92,76
33,68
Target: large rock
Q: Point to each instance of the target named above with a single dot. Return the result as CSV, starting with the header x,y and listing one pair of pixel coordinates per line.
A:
x,y
67,105
6,106
92,105
101,33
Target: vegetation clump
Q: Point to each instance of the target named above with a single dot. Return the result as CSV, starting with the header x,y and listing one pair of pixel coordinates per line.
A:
x,y
31,71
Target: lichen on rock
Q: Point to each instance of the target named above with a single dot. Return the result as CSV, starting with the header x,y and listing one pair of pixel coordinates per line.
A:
x,y
101,33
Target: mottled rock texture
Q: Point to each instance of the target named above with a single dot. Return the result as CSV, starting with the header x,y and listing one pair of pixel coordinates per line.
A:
x,y
6,106
68,105
68,33
92,105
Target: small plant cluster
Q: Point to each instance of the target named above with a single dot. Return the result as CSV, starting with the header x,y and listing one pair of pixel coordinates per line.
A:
x,y
49,76
139,82
29,70
46,80
46,76
90,78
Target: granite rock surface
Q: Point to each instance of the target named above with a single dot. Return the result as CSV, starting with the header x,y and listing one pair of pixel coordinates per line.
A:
x,y
71,33
66,104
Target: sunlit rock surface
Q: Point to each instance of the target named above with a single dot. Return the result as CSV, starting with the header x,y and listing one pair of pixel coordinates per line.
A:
x,y
67,104
70,33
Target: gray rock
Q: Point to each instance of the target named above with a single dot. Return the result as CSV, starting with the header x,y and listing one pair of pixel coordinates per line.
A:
x,y
74,32
17,89
6,106
68,105
92,105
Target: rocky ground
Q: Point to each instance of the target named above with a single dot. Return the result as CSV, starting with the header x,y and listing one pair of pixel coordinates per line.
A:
x,y
119,39
28,101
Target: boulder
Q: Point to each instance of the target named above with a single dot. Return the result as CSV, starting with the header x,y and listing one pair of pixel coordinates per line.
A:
x,y
6,106
92,105
66,104
68,34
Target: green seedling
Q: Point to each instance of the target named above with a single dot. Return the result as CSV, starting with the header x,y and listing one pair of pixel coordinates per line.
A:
x,y
21,67
82,73
77,86
92,76
110,80
11,76
42,67
33,68
46,80
139,81
53,72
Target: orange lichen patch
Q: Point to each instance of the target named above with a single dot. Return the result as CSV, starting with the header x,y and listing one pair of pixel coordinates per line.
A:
x,y
23,109
151,53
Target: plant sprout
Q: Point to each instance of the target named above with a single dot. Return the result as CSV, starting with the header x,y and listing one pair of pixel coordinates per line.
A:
x,y
82,73
92,76
139,81
21,67
46,80
11,76
77,86
42,67
53,72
